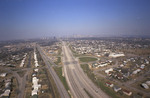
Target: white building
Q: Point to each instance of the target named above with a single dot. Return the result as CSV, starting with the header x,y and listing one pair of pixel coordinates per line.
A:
x,y
102,65
145,86
148,82
115,55
35,86
136,71
36,61
3,74
108,70
22,62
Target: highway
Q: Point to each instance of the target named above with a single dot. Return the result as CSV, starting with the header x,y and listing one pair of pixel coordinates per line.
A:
x,y
62,91
77,80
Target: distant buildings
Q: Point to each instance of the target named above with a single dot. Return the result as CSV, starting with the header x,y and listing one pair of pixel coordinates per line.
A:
x,y
22,62
36,61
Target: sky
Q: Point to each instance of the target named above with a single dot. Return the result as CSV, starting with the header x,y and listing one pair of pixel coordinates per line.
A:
x,y
21,19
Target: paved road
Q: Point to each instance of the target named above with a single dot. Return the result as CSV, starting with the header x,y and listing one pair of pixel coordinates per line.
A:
x,y
20,80
62,91
76,78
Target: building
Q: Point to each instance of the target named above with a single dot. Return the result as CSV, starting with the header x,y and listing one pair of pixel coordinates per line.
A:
x,y
136,71
109,84
148,82
6,93
3,74
126,92
144,86
115,55
116,88
108,70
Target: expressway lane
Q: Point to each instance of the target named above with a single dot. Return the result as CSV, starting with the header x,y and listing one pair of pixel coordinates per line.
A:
x,y
62,91
76,78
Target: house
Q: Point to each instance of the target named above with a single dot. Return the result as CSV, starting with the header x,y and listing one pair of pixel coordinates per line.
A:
x,y
6,93
147,62
34,92
136,71
148,82
142,66
7,84
109,84
102,65
36,70
3,74
126,92
144,86
121,65
116,88
108,70
119,76
34,74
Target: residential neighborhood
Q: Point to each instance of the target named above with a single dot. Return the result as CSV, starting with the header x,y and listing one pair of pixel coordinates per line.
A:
x,y
123,64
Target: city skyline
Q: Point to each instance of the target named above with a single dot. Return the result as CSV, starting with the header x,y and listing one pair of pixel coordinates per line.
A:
x,y
21,19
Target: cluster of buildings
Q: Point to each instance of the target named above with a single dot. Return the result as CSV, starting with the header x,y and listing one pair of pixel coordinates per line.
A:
x,y
101,64
35,59
53,50
5,85
108,47
118,89
36,86
35,83
128,69
12,55
96,47
24,58
129,59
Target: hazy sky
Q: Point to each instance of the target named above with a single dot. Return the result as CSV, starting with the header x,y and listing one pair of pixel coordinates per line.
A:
x,y
41,18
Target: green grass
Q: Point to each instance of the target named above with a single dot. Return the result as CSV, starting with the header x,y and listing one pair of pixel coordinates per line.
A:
x,y
99,82
59,52
58,61
53,89
58,70
87,59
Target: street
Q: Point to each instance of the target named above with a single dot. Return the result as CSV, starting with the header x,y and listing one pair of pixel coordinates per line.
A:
x,y
76,78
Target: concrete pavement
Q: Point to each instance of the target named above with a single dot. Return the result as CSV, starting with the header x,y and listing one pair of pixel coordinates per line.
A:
x,y
76,78
62,91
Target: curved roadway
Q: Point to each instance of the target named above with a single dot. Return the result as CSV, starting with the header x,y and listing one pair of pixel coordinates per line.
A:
x,y
77,80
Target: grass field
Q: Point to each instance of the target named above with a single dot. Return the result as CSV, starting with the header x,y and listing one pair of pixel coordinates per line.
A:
x,y
58,70
87,59
100,83
58,61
